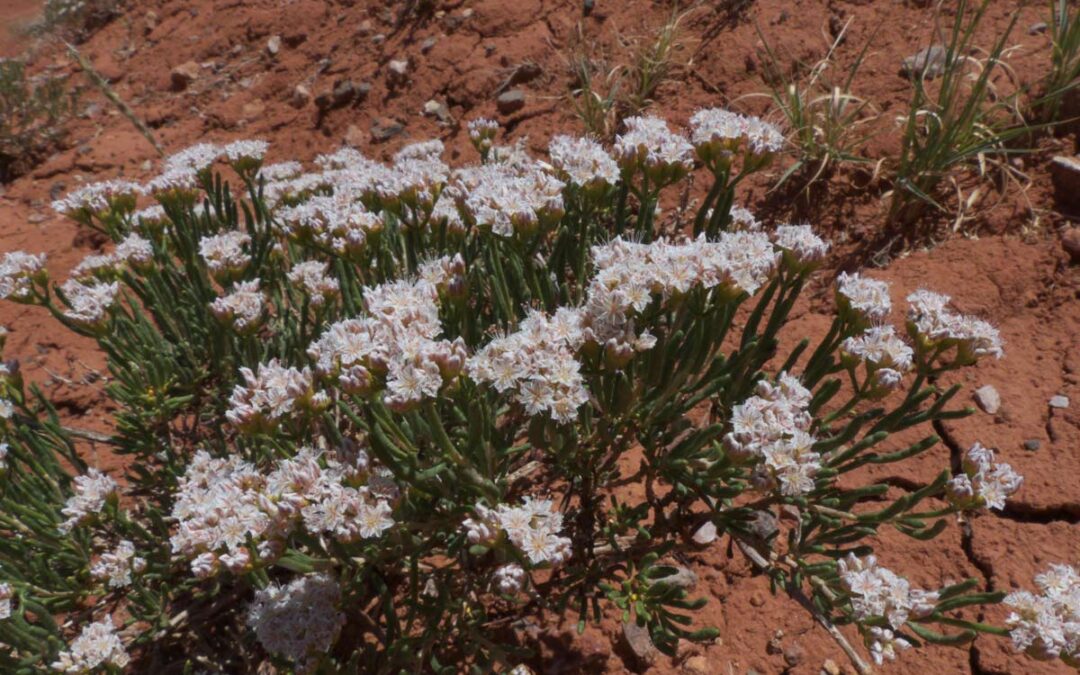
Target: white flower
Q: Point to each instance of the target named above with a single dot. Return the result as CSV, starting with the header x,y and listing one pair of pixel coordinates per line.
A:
x,y
91,492
270,393
224,253
242,309
930,316
89,304
18,270
245,150
800,241
983,482
117,566
649,143
374,520
299,621
6,594
97,645
866,296
583,162
312,277
1047,626
193,159
509,578
885,644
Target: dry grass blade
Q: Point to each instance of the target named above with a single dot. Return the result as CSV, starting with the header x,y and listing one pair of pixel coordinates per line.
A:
x,y
827,124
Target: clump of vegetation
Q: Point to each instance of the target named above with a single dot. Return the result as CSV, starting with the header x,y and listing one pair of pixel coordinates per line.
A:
x,y
32,113
376,414
1064,73
77,19
826,123
959,122
608,89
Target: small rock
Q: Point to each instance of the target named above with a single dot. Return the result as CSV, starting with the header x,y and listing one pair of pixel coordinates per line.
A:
x,y
397,72
830,667
301,96
681,578
384,128
150,22
467,13
427,45
764,525
1070,241
640,644
253,109
775,644
1038,27
757,599
510,102
696,665
988,399
1032,444
354,137
365,28
438,110
706,534
1065,172
146,165
343,94
183,75
273,45
36,218
793,654
1059,401
378,39
929,63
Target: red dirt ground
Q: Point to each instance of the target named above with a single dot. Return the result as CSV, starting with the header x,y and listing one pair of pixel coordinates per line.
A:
x,y
1013,273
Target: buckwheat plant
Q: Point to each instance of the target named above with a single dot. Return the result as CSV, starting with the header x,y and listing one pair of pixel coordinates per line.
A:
x,y
371,417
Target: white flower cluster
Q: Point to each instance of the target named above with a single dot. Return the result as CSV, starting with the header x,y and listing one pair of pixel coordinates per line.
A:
x,y
649,144
537,363
482,133
801,242
133,250
224,253
270,393
532,527
338,221
223,504
90,494
97,645
867,298
242,309
886,354
6,594
300,621
877,592
507,197
983,483
509,578
583,162
397,340
715,131
311,275
935,323
116,567
773,426
98,197
1047,626
241,150
89,304
18,271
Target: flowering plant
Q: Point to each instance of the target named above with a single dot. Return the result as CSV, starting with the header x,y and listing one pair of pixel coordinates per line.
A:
x,y
374,414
